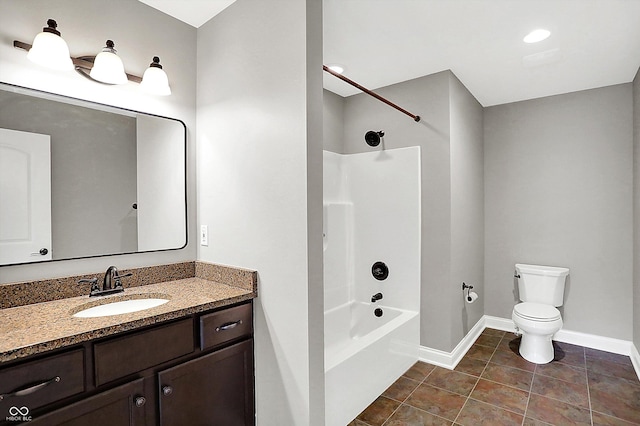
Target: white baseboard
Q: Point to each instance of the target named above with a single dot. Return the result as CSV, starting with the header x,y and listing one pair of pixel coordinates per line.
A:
x,y
618,346
635,359
450,359
503,324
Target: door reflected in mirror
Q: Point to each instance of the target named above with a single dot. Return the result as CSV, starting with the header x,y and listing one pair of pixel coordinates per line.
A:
x,y
80,179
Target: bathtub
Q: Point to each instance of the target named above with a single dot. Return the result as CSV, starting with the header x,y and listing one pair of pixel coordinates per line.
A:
x,y
364,355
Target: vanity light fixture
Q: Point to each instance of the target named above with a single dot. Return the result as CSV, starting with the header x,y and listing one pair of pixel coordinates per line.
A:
x,y
108,67
154,79
49,49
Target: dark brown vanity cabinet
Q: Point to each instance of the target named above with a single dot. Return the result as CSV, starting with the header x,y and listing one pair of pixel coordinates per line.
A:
x,y
120,357
215,389
121,406
197,370
40,382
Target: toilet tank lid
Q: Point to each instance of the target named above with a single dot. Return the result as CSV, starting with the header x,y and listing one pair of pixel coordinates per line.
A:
x,y
551,271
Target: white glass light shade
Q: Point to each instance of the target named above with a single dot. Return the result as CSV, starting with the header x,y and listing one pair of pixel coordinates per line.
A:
x,y
50,50
108,67
155,80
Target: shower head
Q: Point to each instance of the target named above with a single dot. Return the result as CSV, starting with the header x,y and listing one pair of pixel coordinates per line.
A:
x,y
373,138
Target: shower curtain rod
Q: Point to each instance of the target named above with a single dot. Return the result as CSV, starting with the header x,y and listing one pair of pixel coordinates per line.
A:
x,y
416,118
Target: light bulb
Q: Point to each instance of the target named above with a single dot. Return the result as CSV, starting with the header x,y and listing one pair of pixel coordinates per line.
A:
x,y
536,36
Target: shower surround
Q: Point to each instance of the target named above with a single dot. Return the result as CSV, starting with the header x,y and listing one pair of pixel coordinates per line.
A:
x,y
371,214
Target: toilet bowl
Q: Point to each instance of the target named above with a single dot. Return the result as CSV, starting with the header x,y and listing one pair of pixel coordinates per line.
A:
x,y
537,322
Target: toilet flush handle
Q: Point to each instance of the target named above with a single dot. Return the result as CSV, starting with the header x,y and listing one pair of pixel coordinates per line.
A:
x,y
516,274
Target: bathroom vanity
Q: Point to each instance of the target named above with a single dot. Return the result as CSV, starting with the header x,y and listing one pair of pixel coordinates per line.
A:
x,y
187,362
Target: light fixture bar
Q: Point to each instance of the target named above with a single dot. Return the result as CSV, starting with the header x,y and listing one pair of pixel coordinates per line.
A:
x,y
82,64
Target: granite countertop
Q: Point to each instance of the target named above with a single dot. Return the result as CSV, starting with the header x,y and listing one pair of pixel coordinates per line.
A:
x,y
31,329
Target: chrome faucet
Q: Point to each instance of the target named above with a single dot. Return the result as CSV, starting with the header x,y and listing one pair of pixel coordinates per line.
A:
x,y
111,283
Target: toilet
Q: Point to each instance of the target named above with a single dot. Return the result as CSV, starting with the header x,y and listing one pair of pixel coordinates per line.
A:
x,y
541,290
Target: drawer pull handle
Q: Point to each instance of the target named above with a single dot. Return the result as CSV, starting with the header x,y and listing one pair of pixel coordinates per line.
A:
x,y
229,325
31,389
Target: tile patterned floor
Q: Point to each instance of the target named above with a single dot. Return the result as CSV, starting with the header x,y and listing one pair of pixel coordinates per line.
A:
x,y
493,385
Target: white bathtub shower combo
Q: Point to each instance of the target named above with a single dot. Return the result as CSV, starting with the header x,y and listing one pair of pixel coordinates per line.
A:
x,y
371,275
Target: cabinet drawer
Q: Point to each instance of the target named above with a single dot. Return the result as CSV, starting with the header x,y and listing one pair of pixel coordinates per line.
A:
x,y
226,325
38,383
130,354
121,406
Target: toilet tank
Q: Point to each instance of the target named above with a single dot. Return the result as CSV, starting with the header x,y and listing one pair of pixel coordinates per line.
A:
x,y
541,284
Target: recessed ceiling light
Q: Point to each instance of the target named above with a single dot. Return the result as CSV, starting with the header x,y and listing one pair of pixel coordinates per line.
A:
x,y
336,68
536,36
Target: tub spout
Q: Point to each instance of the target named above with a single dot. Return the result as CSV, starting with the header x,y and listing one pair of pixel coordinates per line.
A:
x,y
376,297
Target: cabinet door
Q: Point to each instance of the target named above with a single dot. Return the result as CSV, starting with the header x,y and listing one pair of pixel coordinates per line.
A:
x,y
213,390
121,406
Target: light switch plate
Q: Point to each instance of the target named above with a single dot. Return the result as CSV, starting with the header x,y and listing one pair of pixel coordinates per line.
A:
x,y
204,235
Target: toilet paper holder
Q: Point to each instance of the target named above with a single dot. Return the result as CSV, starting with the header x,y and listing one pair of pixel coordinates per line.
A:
x,y
468,288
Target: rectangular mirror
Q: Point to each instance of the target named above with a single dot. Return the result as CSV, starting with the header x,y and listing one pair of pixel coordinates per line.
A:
x,y
80,179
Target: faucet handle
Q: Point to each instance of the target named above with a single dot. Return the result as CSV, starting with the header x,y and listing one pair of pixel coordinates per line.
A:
x,y
94,285
116,278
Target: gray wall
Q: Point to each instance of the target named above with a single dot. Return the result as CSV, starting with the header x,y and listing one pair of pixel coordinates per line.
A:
x,y
91,211
332,122
260,187
467,208
636,210
134,28
436,98
558,191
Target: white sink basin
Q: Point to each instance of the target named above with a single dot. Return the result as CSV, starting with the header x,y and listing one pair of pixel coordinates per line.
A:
x,y
120,307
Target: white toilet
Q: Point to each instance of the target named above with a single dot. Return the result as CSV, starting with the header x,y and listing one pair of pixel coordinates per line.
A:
x,y
541,289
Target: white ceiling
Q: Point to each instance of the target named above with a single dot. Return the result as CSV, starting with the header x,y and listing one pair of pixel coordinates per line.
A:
x,y
593,43
381,42
193,12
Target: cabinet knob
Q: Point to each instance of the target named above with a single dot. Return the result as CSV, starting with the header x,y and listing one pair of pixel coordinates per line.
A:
x,y
167,390
140,401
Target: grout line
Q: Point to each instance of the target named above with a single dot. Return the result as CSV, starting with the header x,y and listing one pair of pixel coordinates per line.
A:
x,y
499,407
410,393
535,373
562,401
559,400
504,384
477,380
526,408
461,408
586,375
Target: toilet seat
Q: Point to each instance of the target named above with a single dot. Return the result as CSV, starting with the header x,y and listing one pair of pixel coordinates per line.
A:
x,y
536,312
